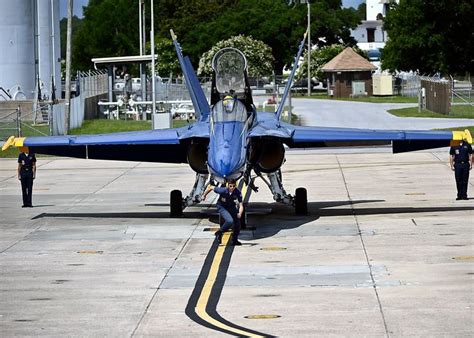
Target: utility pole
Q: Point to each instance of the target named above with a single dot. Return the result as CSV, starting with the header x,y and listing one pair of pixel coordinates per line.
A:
x,y
68,68
153,85
309,49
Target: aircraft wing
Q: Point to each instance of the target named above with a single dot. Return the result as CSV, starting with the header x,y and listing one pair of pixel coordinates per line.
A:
x,y
165,145
401,140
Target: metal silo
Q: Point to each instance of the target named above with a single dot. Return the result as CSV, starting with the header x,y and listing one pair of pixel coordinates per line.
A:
x,y
26,31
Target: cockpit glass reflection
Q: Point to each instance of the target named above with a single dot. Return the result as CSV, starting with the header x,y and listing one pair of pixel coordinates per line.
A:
x,y
229,110
229,65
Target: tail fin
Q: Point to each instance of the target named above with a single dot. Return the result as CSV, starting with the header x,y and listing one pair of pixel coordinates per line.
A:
x,y
290,79
197,95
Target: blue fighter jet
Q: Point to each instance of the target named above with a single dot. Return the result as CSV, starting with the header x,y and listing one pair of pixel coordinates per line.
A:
x,y
230,139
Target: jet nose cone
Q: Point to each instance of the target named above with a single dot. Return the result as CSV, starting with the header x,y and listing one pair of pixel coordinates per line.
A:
x,y
224,168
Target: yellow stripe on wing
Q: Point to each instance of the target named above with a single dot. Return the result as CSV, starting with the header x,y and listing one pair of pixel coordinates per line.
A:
x,y
13,141
462,135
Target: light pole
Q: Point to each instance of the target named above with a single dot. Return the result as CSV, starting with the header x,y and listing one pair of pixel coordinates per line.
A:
x,y
309,48
152,40
68,68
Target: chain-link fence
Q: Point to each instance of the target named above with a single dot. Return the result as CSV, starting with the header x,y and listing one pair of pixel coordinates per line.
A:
x,y
17,122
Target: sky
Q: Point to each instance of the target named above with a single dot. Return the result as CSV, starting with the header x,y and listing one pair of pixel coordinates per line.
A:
x,y
352,3
77,7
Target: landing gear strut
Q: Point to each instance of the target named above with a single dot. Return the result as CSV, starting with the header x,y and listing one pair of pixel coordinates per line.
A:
x,y
275,184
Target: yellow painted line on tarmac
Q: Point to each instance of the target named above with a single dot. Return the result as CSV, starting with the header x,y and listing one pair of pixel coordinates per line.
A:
x,y
207,289
464,258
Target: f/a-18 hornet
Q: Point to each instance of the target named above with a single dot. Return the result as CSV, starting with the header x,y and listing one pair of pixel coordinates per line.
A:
x,y
230,139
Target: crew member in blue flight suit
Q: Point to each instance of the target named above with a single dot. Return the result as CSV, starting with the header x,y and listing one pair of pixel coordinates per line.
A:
x,y
461,162
226,206
26,174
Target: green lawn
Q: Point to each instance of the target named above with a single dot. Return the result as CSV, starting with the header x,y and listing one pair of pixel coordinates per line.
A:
x,y
458,111
115,126
373,99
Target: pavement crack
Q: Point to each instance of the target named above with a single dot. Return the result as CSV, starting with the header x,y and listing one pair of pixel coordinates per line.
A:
x,y
363,247
184,245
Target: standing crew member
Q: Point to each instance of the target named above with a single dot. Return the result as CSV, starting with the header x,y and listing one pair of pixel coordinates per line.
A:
x,y
227,209
26,174
461,162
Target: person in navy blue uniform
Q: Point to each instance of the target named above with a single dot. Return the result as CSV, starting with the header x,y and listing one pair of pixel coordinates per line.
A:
x,y
227,208
26,174
461,163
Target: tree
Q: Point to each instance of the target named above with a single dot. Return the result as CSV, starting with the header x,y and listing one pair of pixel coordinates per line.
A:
x,y
430,36
76,24
321,56
201,23
110,27
166,62
259,55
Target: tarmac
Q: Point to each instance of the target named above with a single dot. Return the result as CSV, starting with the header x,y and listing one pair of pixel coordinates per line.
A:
x,y
384,251
365,115
344,114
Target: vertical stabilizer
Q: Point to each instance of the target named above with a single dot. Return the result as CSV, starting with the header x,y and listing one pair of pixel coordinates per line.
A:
x,y
198,98
290,78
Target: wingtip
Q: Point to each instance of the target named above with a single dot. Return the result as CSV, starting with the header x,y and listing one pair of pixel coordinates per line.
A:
x,y
13,141
8,143
462,135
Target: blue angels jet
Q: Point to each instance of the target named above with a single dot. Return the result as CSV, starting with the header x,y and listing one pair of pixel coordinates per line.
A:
x,y
230,139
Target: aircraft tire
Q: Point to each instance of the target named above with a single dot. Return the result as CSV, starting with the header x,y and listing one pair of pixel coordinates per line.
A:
x,y
176,203
301,201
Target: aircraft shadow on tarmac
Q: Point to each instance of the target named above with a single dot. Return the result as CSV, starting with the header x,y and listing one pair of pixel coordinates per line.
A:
x,y
283,218
270,217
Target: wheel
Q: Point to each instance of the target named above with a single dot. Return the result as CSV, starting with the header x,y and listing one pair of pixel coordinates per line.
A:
x,y
176,203
301,201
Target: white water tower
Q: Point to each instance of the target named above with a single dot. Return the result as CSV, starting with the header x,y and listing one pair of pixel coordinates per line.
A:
x,y
27,52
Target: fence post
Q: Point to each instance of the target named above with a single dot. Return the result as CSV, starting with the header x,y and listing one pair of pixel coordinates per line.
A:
x,y
18,120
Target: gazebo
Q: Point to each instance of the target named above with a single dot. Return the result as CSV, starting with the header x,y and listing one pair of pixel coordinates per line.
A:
x,y
349,74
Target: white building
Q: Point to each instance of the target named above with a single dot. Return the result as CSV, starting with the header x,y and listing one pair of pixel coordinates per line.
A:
x,y
29,48
370,34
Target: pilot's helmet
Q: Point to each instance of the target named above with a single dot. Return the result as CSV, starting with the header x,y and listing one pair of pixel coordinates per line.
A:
x,y
228,103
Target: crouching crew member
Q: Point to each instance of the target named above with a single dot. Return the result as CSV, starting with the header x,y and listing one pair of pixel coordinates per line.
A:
x,y
26,174
226,206
461,162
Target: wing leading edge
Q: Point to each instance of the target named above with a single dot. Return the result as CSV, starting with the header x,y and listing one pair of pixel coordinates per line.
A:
x,y
166,145
402,140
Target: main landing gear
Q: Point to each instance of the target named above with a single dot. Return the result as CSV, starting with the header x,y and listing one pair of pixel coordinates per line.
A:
x,y
275,184
273,180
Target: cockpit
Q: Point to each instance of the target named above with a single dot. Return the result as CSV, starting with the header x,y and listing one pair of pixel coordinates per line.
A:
x,y
231,115
229,65
230,80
